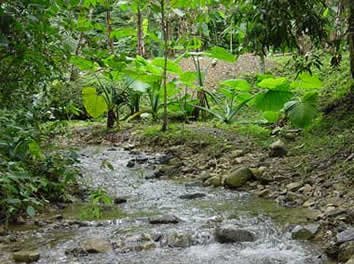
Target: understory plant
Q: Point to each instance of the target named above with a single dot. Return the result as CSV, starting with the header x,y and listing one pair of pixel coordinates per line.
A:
x,y
273,96
30,175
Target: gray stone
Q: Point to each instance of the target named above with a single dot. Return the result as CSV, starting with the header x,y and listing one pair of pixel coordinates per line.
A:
x,y
26,256
165,219
345,236
179,240
294,186
95,246
214,181
239,177
260,175
307,232
191,196
351,261
231,234
278,149
346,251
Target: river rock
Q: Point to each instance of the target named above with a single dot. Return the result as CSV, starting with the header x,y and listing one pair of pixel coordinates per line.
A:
x,y
191,196
278,149
294,186
260,175
345,236
120,200
307,232
351,261
346,251
179,240
95,246
214,181
239,177
231,234
165,219
26,256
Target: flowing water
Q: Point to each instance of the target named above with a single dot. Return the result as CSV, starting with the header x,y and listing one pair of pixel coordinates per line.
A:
x,y
135,240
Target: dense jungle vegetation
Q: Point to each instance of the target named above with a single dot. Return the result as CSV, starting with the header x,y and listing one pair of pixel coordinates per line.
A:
x,y
118,62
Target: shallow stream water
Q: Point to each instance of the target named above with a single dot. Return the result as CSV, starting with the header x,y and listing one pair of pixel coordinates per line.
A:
x,y
127,226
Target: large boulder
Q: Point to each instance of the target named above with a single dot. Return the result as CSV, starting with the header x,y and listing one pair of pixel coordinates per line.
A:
x,y
346,251
231,234
239,177
26,256
214,181
164,219
345,236
191,196
307,232
95,246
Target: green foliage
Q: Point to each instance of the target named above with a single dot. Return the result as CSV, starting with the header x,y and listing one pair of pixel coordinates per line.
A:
x,y
29,176
95,104
97,199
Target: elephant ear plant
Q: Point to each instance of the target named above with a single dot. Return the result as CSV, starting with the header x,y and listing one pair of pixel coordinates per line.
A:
x,y
232,96
112,97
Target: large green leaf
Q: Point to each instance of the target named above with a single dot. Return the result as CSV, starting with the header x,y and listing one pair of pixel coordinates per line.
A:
x,y
301,113
238,84
82,64
272,100
172,67
221,54
307,81
95,105
271,116
139,86
274,83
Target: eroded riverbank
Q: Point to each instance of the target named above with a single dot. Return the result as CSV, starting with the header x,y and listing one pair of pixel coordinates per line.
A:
x,y
141,230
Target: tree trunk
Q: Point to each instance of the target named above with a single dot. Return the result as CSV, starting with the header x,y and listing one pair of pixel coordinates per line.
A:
x,y
109,30
141,42
263,65
351,37
111,118
164,24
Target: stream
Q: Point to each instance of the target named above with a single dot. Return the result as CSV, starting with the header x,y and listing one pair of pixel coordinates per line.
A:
x,y
198,210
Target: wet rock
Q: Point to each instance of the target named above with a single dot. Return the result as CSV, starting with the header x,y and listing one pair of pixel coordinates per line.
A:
x,y
351,261
191,196
294,186
231,234
120,200
167,170
179,240
307,232
278,149
128,147
239,177
26,256
346,251
214,181
165,219
95,246
141,159
335,212
260,175
345,236
164,159
131,163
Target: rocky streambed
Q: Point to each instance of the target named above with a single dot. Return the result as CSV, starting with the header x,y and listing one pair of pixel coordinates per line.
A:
x,y
162,221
